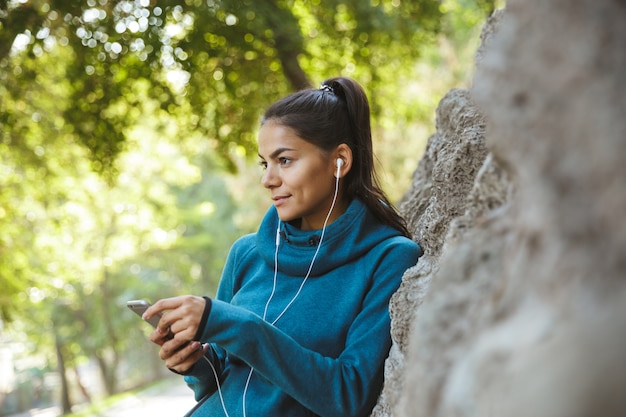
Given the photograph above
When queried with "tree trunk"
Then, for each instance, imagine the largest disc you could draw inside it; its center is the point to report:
(81, 386)
(291, 67)
(66, 404)
(105, 371)
(289, 44)
(108, 358)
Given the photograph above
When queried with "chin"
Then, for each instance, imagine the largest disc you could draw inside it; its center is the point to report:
(286, 216)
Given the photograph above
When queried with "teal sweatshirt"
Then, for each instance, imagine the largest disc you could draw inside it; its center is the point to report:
(325, 355)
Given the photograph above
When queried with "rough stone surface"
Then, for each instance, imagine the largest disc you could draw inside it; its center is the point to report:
(519, 305)
(441, 185)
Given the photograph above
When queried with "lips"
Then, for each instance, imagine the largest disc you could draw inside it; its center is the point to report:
(279, 200)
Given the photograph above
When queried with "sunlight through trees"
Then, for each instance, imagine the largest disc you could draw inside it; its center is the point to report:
(128, 147)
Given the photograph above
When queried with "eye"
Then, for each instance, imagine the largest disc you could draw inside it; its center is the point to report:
(283, 160)
(263, 164)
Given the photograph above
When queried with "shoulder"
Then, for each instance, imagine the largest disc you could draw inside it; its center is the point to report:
(243, 246)
(401, 248)
(238, 256)
(405, 244)
(245, 241)
(380, 240)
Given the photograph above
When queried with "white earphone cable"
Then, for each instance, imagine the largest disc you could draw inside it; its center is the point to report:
(217, 382)
(332, 206)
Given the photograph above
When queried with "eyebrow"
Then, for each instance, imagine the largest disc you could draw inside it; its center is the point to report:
(277, 152)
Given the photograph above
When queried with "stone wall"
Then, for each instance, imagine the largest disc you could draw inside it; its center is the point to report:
(518, 306)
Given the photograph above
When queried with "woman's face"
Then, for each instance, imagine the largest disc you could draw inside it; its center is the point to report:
(299, 176)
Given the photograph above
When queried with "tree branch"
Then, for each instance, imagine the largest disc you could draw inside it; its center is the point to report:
(15, 22)
(289, 44)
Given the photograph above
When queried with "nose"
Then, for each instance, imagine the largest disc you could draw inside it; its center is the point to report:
(270, 177)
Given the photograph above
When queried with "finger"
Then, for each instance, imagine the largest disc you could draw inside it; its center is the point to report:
(187, 317)
(158, 337)
(164, 326)
(191, 360)
(175, 344)
(180, 309)
(185, 357)
(199, 353)
(162, 305)
(182, 327)
(170, 349)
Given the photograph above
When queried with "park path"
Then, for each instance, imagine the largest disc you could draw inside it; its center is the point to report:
(168, 398)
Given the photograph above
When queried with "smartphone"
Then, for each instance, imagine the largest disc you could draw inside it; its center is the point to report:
(139, 307)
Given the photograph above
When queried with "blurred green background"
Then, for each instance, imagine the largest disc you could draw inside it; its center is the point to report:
(128, 155)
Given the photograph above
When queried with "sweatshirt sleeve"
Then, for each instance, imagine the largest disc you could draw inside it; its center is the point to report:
(346, 385)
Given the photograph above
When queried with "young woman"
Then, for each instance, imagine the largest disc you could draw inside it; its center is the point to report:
(300, 323)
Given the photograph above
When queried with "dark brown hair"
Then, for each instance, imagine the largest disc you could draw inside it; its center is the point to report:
(339, 113)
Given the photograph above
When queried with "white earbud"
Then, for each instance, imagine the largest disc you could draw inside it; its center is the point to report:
(339, 164)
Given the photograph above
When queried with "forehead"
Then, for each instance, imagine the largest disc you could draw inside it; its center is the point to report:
(275, 138)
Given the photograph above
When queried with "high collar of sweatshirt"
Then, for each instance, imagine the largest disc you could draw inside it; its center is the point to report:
(349, 237)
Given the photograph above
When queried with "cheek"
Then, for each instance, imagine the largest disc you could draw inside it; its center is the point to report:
(308, 178)
(312, 179)
(295, 180)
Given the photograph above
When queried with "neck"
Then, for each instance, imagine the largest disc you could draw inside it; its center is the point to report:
(306, 223)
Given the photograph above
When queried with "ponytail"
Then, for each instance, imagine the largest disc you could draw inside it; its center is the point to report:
(339, 113)
(362, 181)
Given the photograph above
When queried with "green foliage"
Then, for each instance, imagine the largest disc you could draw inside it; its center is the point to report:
(79, 245)
(229, 59)
(122, 123)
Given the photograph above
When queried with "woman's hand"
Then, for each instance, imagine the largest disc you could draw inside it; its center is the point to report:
(181, 317)
(180, 358)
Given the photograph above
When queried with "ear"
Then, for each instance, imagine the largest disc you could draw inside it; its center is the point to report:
(344, 153)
